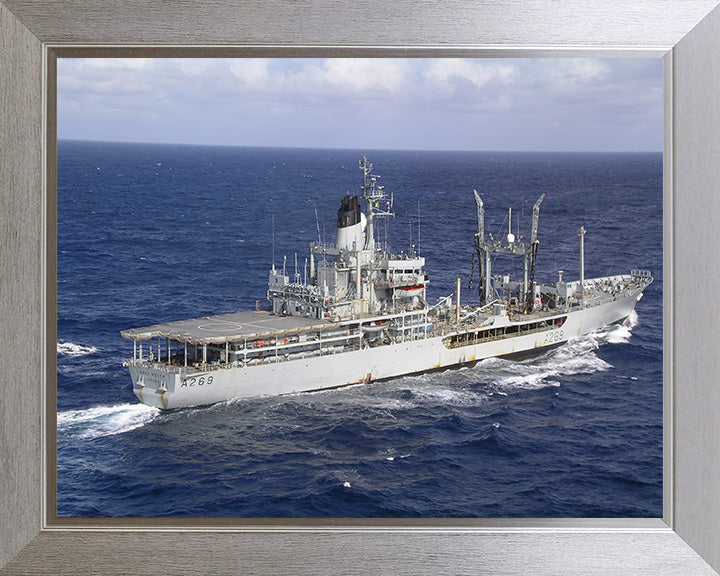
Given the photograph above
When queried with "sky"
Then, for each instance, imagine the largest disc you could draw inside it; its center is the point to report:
(509, 104)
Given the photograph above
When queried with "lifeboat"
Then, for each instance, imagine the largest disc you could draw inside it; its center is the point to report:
(409, 291)
(374, 327)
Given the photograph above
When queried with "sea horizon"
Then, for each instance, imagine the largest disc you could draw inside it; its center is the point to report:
(360, 149)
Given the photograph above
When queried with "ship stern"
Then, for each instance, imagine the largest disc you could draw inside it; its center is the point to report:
(152, 387)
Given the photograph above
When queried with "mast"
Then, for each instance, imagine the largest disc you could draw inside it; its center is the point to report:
(510, 236)
(536, 219)
(418, 227)
(530, 294)
(483, 252)
(368, 189)
(581, 233)
(480, 217)
(273, 251)
(377, 203)
(317, 221)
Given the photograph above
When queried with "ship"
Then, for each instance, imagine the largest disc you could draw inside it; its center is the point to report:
(362, 315)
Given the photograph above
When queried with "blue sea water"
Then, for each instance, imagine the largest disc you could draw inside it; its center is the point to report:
(154, 233)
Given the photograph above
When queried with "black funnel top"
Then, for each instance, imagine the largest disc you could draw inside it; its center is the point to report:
(349, 213)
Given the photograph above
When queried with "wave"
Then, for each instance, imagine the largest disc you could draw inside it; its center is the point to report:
(577, 356)
(71, 349)
(620, 333)
(550, 370)
(100, 421)
(449, 396)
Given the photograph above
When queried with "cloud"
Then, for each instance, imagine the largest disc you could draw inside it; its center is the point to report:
(577, 71)
(360, 75)
(429, 103)
(252, 73)
(193, 66)
(446, 71)
(104, 76)
(116, 63)
(331, 78)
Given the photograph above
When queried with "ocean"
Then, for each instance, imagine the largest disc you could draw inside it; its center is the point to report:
(154, 233)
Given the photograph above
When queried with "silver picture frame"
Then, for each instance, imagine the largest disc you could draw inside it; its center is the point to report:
(685, 33)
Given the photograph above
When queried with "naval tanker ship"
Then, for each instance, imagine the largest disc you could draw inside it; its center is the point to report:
(362, 315)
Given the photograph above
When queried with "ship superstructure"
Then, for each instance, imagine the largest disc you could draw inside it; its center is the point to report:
(362, 315)
(353, 276)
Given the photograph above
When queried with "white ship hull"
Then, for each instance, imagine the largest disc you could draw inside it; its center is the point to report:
(168, 389)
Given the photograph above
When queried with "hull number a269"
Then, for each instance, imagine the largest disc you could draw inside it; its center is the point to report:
(196, 381)
(553, 337)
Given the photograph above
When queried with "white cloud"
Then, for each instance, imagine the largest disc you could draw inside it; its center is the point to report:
(582, 74)
(251, 72)
(447, 70)
(117, 63)
(361, 74)
(193, 66)
(328, 78)
(112, 76)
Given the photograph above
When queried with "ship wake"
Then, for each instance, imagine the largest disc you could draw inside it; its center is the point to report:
(578, 356)
(619, 333)
(72, 349)
(100, 421)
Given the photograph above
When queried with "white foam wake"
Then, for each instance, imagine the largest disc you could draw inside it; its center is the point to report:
(449, 396)
(620, 333)
(105, 420)
(71, 349)
(550, 370)
(574, 357)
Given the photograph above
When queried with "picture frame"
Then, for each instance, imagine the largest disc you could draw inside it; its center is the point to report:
(685, 33)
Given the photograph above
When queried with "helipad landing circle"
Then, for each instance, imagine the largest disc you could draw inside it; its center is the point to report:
(220, 326)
